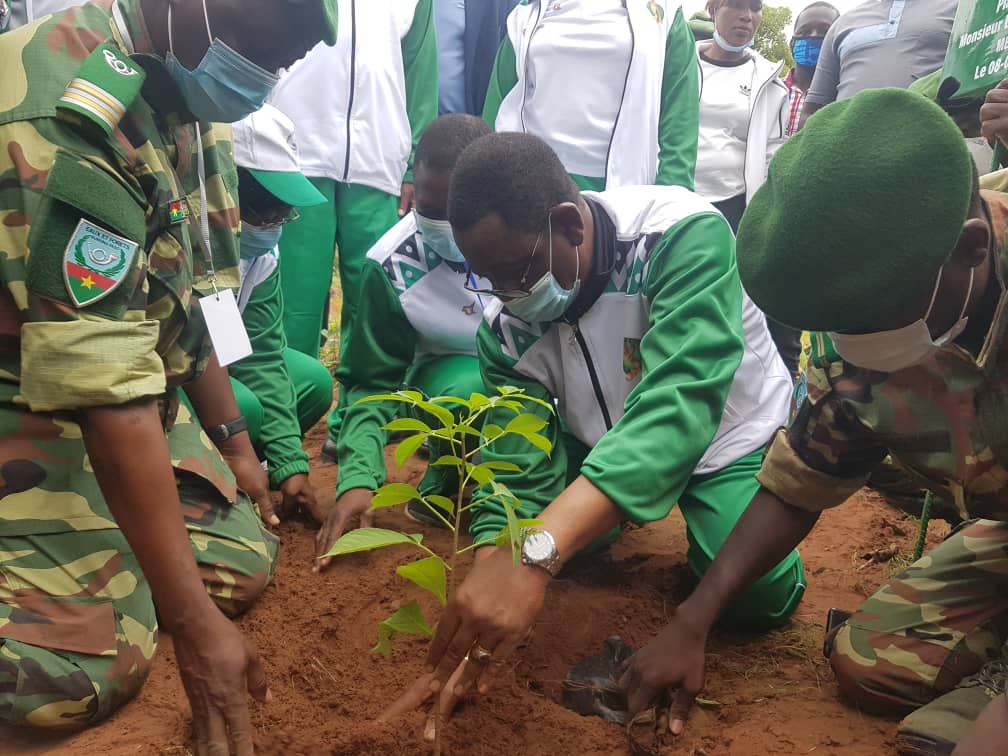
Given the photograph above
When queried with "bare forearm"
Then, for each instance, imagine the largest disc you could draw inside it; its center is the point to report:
(579, 516)
(212, 396)
(129, 454)
(766, 533)
(214, 401)
(807, 110)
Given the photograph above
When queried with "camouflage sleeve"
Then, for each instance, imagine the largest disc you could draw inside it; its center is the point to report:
(72, 260)
(826, 454)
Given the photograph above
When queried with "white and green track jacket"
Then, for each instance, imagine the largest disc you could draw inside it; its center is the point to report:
(413, 307)
(663, 367)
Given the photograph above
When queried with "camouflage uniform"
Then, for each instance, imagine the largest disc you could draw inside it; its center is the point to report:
(945, 422)
(77, 624)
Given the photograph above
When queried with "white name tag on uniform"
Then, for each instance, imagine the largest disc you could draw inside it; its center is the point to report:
(224, 324)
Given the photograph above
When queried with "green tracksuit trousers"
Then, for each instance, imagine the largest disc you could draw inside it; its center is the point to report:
(353, 218)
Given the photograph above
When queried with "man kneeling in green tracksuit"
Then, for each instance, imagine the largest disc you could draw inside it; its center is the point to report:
(281, 392)
(625, 308)
(415, 327)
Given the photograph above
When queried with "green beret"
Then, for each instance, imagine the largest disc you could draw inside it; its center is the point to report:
(859, 211)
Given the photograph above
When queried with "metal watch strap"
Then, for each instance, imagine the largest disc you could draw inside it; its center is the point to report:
(221, 433)
(551, 563)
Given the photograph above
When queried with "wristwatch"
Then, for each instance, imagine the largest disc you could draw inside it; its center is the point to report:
(539, 550)
(221, 433)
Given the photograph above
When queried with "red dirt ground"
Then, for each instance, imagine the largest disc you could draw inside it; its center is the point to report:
(771, 694)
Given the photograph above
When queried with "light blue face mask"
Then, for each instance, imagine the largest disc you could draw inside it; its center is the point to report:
(256, 241)
(225, 86)
(437, 234)
(724, 45)
(547, 300)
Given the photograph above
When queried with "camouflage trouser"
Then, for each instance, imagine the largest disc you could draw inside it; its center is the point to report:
(927, 628)
(77, 623)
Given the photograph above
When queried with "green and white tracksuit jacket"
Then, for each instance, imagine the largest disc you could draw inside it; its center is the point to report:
(360, 106)
(611, 86)
(662, 367)
(413, 308)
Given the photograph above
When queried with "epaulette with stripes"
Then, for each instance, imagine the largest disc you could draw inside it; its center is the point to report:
(104, 87)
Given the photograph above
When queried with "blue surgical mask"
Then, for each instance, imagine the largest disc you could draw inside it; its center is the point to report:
(437, 234)
(806, 51)
(225, 86)
(547, 300)
(724, 45)
(256, 241)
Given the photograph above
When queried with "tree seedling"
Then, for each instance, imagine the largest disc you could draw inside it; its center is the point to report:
(453, 424)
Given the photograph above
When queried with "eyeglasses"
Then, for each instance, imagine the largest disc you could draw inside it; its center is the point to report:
(506, 295)
(258, 220)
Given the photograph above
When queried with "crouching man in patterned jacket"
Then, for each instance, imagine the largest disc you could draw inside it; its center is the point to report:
(624, 308)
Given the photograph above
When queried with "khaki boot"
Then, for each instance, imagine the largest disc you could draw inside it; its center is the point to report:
(935, 728)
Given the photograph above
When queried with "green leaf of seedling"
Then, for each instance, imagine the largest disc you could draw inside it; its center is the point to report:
(539, 441)
(478, 400)
(492, 431)
(509, 390)
(500, 465)
(408, 424)
(443, 503)
(542, 403)
(409, 397)
(480, 473)
(511, 404)
(430, 574)
(409, 619)
(366, 539)
(525, 423)
(392, 494)
(444, 416)
(513, 531)
(448, 460)
(408, 447)
(503, 492)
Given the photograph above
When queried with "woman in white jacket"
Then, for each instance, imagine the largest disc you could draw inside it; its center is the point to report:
(743, 120)
(743, 112)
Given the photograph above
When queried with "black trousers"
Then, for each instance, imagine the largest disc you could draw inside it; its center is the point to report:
(787, 340)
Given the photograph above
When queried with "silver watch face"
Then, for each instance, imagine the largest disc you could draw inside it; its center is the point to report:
(538, 547)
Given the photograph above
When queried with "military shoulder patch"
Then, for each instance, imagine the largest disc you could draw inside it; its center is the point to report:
(104, 88)
(95, 262)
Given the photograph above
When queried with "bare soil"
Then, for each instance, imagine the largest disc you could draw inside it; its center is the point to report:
(767, 694)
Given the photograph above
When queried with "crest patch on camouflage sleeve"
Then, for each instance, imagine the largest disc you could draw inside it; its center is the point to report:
(95, 262)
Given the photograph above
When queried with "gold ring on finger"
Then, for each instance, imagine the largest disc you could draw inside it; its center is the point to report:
(479, 654)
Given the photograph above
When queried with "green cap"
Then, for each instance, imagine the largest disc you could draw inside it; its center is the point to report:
(265, 146)
(859, 211)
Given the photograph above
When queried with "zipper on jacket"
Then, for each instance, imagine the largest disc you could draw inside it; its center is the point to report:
(528, 53)
(353, 77)
(755, 100)
(592, 374)
(626, 80)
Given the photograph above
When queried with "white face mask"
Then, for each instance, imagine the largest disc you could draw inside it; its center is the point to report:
(889, 351)
(437, 234)
(547, 300)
